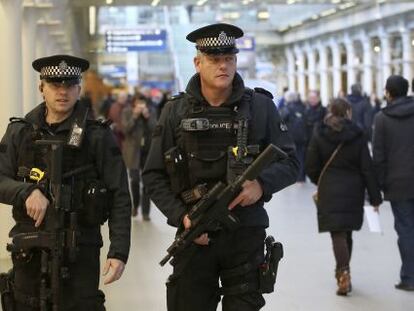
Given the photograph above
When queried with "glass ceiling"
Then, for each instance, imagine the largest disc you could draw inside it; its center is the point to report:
(279, 15)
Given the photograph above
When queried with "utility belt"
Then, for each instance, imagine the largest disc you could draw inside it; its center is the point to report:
(205, 171)
(262, 278)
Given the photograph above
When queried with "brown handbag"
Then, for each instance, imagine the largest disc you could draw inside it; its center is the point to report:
(315, 196)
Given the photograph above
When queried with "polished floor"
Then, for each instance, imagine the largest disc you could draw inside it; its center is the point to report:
(306, 273)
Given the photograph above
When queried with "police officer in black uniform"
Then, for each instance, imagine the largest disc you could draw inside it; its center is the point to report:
(93, 174)
(195, 130)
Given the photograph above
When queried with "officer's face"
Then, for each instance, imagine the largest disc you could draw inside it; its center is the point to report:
(60, 98)
(216, 71)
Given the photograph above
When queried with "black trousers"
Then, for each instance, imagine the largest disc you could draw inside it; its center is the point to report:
(79, 292)
(194, 284)
(139, 198)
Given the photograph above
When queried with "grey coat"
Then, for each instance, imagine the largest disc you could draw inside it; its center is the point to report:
(137, 132)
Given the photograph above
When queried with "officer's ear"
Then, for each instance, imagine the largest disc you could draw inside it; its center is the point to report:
(197, 61)
(41, 85)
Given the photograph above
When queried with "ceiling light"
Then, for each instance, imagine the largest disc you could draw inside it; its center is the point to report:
(155, 2)
(263, 15)
(92, 20)
(377, 48)
(43, 21)
(335, 1)
(412, 43)
(201, 2)
(328, 12)
(109, 1)
(296, 24)
(231, 15)
(32, 4)
(346, 5)
(290, 1)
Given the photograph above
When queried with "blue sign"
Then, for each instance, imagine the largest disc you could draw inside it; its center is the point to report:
(246, 43)
(112, 71)
(135, 40)
(163, 85)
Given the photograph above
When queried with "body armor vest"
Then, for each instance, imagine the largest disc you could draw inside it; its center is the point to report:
(208, 134)
(32, 155)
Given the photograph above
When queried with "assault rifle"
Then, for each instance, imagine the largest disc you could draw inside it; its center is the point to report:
(57, 242)
(213, 206)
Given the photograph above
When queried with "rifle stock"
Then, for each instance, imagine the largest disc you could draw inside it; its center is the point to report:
(213, 207)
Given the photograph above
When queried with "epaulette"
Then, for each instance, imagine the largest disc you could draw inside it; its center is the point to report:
(177, 96)
(16, 119)
(264, 92)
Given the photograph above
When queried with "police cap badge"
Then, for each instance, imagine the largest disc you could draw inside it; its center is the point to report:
(216, 38)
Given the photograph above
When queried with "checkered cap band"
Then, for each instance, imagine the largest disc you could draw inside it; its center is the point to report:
(60, 71)
(221, 41)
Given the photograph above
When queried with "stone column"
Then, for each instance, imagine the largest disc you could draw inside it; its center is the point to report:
(385, 56)
(301, 72)
(10, 87)
(30, 78)
(350, 59)
(311, 54)
(407, 55)
(336, 64)
(323, 69)
(291, 69)
(367, 84)
(42, 42)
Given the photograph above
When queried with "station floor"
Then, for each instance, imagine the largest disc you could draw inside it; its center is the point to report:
(306, 273)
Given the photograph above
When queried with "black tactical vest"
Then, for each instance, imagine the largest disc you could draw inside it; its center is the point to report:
(32, 155)
(206, 136)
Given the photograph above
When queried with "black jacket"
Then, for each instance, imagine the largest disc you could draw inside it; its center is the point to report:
(393, 148)
(294, 115)
(98, 147)
(361, 113)
(314, 115)
(342, 187)
(265, 127)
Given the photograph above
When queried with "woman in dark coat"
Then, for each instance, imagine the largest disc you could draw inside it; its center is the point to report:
(342, 187)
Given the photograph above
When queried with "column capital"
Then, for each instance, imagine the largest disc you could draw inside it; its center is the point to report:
(334, 45)
(382, 32)
(309, 48)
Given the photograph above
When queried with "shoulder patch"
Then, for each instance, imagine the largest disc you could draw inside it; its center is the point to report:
(264, 92)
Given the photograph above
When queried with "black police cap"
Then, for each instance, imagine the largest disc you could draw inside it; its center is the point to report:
(61, 68)
(216, 38)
